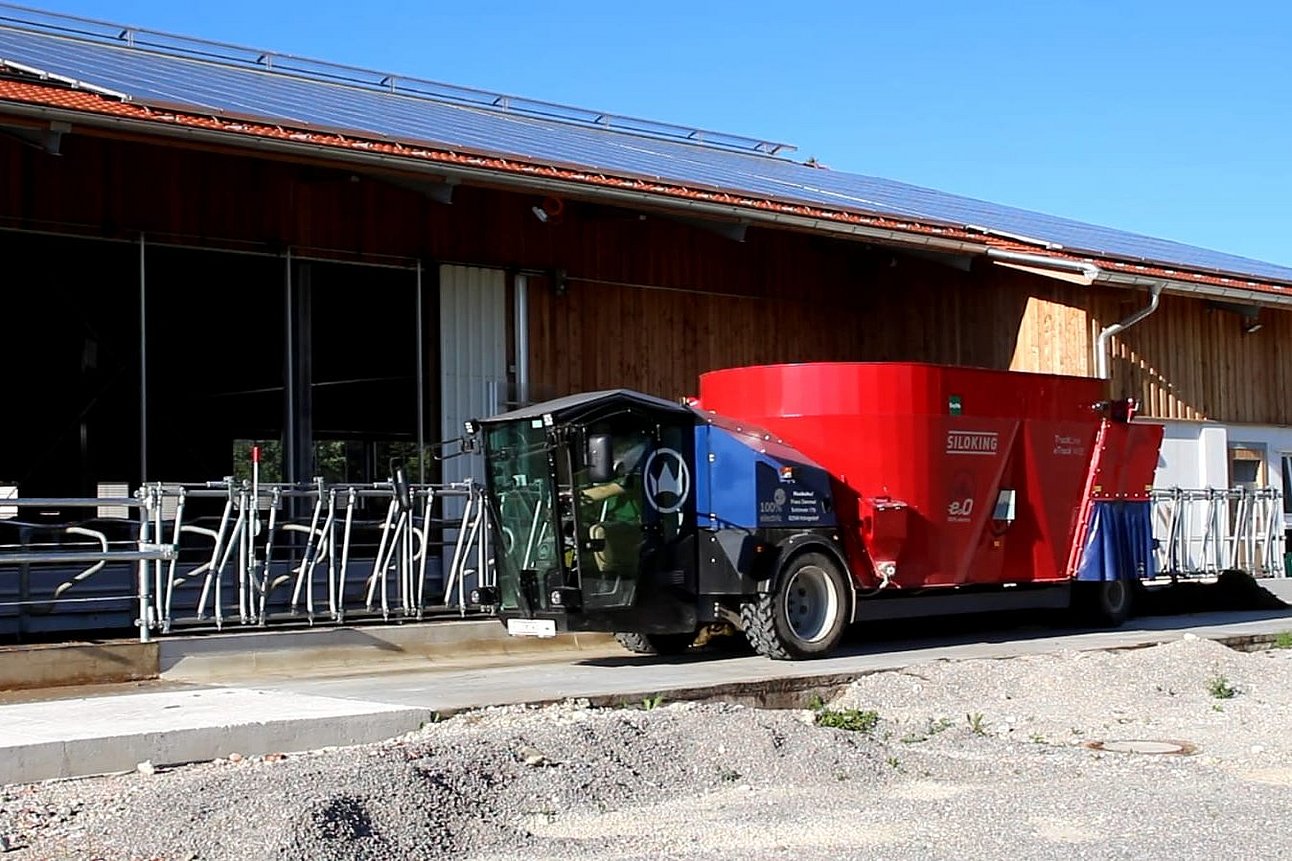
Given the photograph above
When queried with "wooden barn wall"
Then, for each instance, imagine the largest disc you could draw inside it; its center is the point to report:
(1053, 335)
(649, 301)
(599, 335)
(1193, 360)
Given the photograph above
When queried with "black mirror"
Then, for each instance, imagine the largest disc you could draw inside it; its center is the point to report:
(601, 458)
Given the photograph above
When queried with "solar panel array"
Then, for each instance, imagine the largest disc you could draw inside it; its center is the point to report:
(176, 72)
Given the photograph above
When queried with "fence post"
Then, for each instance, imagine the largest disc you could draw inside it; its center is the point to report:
(145, 579)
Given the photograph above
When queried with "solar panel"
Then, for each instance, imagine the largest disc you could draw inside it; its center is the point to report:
(159, 69)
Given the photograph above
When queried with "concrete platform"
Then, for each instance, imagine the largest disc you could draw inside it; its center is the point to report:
(96, 735)
(303, 709)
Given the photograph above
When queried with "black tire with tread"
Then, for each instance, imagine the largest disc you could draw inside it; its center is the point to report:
(655, 644)
(1099, 605)
(761, 616)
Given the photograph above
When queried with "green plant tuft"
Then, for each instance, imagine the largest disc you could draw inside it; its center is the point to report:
(1221, 689)
(853, 720)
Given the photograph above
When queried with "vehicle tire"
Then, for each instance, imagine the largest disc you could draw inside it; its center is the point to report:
(1107, 603)
(655, 644)
(806, 614)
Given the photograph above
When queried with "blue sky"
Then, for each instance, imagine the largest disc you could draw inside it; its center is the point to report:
(1171, 119)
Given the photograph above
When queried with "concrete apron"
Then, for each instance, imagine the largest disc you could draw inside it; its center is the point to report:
(70, 717)
(110, 732)
(191, 719)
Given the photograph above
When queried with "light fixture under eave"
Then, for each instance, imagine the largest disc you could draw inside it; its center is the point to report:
(1249, 316)
(549, 211)
(1252, 321)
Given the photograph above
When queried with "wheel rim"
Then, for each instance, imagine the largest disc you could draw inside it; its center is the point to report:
(811, 603)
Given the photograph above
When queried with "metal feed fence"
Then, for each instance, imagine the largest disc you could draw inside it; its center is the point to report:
(1203, 532)
(236, 552)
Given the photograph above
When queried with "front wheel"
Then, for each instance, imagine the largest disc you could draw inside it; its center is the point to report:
(655, 644)
(805, 616)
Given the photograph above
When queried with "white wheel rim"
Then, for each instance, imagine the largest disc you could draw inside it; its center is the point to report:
(811, 603)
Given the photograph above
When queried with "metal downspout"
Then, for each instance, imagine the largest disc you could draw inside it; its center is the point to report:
(1101, 343)
(143, 361)
(420, 368)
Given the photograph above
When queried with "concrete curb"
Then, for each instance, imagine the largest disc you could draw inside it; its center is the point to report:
(61, 664)
(246, 655)
(93, 756)
(240, 655)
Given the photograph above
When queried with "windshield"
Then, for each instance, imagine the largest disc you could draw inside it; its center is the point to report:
(520, 483)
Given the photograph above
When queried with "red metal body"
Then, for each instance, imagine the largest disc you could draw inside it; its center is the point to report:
(920, 455)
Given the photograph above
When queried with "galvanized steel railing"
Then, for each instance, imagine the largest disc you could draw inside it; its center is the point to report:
(229, 551)
(1202, 532)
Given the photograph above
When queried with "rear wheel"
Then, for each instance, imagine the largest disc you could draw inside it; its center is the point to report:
(655, 644)
(1107, 603)
(806, 614)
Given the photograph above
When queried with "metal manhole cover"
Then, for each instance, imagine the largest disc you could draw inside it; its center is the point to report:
(1178, 748)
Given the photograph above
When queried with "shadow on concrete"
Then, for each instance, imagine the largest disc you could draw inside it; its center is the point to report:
(1234, 597)
(1233, 590)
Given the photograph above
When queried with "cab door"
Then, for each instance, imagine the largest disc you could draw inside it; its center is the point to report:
(634, 525)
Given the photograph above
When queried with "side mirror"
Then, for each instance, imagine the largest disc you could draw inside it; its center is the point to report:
(600, 458)
(470, 436)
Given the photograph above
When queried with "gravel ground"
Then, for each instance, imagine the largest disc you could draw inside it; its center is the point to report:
(969, 759)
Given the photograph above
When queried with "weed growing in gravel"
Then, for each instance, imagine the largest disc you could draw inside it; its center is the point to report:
(853, 720)
(728, 775)
(1283, 640)
(931, 728)
(894, 763)
(1037, 738)
(651, 703)
(977, 723)
(1221, 689)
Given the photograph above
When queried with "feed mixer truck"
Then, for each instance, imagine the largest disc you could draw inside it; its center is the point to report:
(789, 501)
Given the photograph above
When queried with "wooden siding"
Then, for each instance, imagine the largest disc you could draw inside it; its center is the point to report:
(1193, 360)
(1053, 336)
(651, 301)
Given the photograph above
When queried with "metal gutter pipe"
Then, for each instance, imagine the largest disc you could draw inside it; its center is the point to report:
(1086, 270)
(1101, 343)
